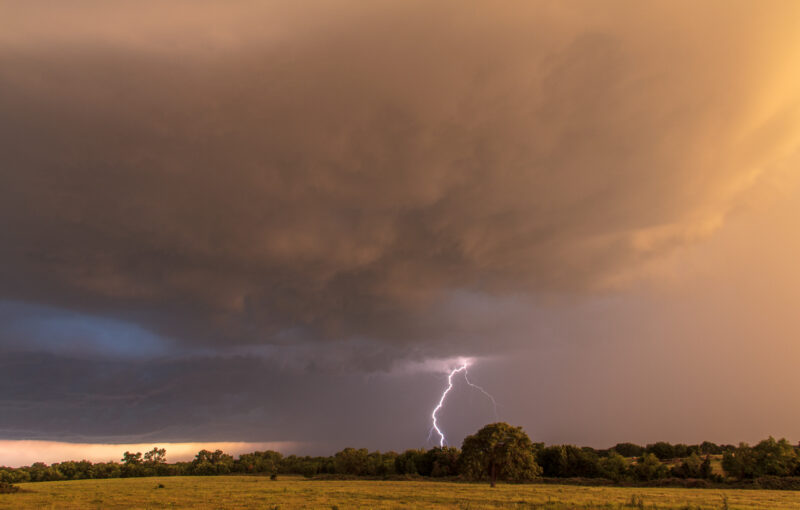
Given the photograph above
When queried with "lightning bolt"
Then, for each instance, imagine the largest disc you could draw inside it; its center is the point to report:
(435, 427)
(494, 404)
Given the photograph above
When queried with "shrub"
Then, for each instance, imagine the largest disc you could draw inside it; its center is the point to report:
(7, 488)
(649, 468)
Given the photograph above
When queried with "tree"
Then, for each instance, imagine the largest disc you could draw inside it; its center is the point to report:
(443, 461)
(613, 466)
(553, 460)
(707, 447)
(499, 451)
(410, 462)
(769, 457)
(582, 462)
(155, 462)
(775, 458)
(693, 467)
(132, 464)
(385, 463)
(680, 451)
(629, 449)
(212, 463)
(351, 461)
(306, 466)
(568, 461)
(662, 450)
(649, 468)
(130, 459)
(260, 462)
(739, 462)
(156, 456)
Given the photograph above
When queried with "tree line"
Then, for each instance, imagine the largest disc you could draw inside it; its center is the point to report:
(496, 452)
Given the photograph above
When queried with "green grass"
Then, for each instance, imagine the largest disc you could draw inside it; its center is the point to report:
(234, 492)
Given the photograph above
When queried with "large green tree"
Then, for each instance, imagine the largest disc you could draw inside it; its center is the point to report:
(351, 461)
(500, 452)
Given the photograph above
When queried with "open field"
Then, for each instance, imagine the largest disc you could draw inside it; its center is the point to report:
(238, 492)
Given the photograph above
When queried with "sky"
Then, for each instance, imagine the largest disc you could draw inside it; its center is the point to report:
(281, 223)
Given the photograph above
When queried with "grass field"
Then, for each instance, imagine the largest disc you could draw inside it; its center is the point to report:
(236, 492)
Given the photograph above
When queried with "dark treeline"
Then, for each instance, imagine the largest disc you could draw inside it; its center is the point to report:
(482, 457)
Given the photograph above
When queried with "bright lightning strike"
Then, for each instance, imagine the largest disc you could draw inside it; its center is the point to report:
(462, 368)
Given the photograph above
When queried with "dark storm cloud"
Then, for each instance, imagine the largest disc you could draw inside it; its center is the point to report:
(340, 184)
(202, 399)
(261, 196)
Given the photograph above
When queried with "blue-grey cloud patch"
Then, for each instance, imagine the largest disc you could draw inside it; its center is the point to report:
(37, 328)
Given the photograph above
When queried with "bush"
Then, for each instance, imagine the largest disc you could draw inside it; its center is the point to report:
(786, 483)
(614, 467)
(649, 468)
(7, 488)
(693, 467)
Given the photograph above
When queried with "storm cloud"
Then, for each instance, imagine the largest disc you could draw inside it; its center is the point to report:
(361, 184)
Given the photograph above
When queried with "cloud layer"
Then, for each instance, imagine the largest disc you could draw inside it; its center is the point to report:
(340, 183)
(370, 186)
